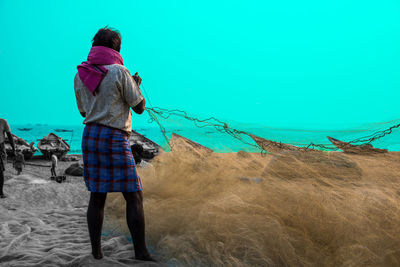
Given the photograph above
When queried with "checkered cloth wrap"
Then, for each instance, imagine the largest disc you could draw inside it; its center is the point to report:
(108, 164)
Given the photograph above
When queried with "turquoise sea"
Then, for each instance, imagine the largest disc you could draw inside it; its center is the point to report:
(221, 141)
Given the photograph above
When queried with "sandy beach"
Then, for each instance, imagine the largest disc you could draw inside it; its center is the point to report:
(235, 209)
(43, 223)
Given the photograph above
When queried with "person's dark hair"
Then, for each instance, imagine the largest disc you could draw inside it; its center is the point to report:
(107, 37)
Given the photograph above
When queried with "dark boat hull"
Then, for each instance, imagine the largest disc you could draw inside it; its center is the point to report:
(52, 144)
(22, 145)
(150, 148)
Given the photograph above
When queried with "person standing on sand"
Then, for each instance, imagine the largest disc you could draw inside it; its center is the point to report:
(19, 161)
(105, 92)
(54, 163)
(4, 129)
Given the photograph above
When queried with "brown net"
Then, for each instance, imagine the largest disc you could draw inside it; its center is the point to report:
(291, 206)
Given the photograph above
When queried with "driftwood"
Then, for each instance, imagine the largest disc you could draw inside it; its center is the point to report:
(277, 147)
(355, 149)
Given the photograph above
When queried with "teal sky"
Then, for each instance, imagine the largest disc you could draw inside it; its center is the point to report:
(277, 63)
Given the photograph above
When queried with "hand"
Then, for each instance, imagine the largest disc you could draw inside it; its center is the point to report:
(137, 79)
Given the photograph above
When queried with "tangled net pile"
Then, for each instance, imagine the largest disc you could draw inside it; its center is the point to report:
(294, 208)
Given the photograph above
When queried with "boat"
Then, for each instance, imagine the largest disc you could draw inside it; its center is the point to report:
(52, 144)
(277, 147)
(183, 144)
(27, 149)
(63, 130)
(150, 148)
(355, 149)
(24, 129)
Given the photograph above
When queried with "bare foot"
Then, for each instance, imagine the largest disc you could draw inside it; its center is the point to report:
(146, 257)
(98, 255)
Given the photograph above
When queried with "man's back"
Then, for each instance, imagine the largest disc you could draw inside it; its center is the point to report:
(116, 94)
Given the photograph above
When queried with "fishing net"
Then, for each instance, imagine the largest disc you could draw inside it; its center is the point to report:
(216, 197)
(233, 136)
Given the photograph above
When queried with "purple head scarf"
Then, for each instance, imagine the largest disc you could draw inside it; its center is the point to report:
(92, 71)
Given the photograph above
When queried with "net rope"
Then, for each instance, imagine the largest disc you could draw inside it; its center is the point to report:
(156, 113)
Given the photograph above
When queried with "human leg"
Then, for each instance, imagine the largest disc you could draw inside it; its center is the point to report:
(95, 215)
(136, 224)
(1, 183)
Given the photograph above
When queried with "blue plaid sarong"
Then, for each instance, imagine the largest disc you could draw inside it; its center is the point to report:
(108, 164)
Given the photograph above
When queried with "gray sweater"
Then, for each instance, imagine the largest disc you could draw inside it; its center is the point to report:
(116, 94)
